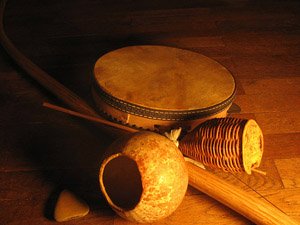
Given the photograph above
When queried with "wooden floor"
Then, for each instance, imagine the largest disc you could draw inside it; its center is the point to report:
(43, 152)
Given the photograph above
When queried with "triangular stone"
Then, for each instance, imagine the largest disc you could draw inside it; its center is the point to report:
(69, 207)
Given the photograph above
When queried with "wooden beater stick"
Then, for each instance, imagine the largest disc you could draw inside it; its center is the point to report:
(253, 208)
(90, 118)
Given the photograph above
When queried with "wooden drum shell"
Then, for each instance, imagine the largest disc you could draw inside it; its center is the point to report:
(158, 87)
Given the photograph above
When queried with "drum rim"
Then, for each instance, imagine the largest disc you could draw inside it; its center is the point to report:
(159, 114)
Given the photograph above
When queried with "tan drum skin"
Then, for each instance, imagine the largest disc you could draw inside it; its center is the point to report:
(159, 87)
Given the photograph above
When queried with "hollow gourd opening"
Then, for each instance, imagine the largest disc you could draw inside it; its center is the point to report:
(122, 182)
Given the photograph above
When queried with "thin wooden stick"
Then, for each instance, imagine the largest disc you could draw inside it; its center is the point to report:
(90, 118)
(259, 171)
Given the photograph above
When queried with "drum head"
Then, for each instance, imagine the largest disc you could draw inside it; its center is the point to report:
(161, 83)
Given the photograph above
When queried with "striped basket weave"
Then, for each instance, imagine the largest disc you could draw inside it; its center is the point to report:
(230, 144)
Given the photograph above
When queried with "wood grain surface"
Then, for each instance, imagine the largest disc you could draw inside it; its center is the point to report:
(43, 152)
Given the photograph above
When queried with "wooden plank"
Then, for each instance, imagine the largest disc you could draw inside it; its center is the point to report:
(198, 209)
(279, 146)
(43, 183)
(288, 200)
(268, 103)
(38, 211)
(24, 185)
(49, 145)
(109, 24)
(191, 42)
(243, 115)
(270, 43)
(242, 12)
(281, 86)
(256, 183)
(259, 22)
(289, 170)
(266, 67)
(280, 122)
(158, 22)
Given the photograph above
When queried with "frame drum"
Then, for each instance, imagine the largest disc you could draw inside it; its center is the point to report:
(158, 87)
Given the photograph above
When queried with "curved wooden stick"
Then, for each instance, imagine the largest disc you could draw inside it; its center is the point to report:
(56, 88)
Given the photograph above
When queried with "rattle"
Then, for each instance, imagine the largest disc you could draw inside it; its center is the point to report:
(131, 111)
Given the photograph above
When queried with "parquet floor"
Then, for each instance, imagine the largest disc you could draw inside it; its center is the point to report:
(42, 151)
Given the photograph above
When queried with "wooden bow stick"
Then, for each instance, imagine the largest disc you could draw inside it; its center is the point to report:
(255, 209)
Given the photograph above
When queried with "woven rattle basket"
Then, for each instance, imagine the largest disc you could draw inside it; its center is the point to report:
(230, 144)
(158, 88)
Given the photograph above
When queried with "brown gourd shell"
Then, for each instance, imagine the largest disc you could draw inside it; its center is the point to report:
(143, 177)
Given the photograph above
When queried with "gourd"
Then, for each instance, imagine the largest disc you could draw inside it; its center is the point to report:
(143, 177)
